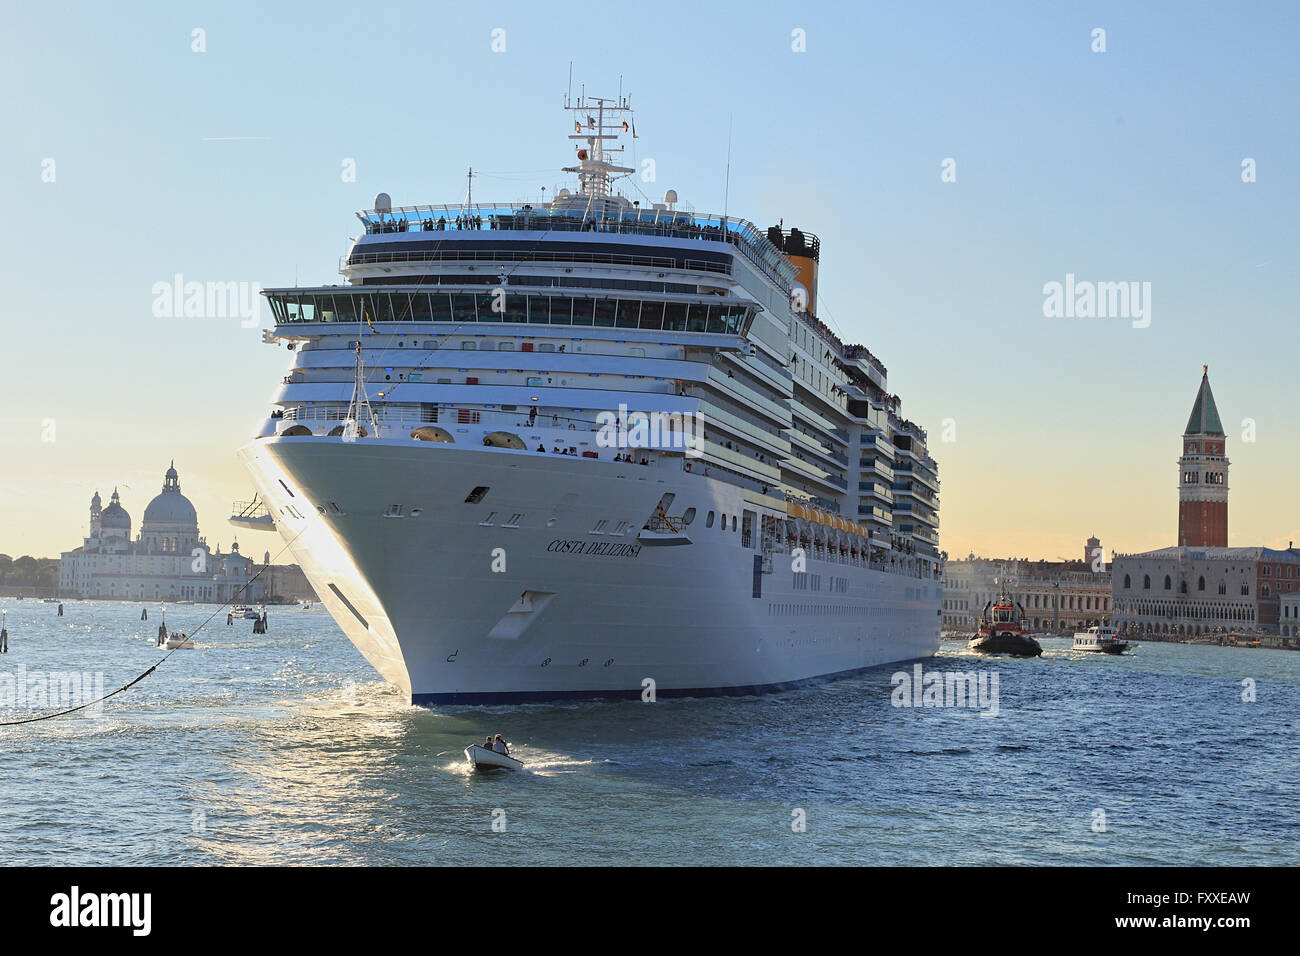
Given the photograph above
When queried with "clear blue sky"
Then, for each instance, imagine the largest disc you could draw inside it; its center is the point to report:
(1124, 165)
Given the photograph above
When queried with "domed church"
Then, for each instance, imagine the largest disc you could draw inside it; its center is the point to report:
(167, 561)
(170, 521)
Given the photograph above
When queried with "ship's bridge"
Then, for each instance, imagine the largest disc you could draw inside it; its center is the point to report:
(425, 302)
(614, 216)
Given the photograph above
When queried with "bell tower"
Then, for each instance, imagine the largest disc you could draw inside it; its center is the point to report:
(1203, 475)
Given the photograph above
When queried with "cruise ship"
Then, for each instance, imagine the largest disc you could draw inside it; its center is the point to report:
(596, 446)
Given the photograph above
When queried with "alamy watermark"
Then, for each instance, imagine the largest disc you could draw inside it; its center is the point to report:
(208, 300)
(676, 430)
(1098, 300)
(42, 690)
(973, 689)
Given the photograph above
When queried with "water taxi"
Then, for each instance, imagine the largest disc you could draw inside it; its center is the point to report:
(1102, 640)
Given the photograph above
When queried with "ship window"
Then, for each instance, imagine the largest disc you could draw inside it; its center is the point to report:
(688, 516)
(561, 310)
(475, 496)
(708, 520)
(463, 310)
(439, 311)
(418, 308)
(652, 315)
(604, 312)
(627, 313)
(675, 316)
(583, 311)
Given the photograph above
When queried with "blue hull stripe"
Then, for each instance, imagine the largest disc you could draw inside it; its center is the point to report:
(543, 696)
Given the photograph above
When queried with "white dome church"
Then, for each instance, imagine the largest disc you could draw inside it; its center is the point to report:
(168, 561)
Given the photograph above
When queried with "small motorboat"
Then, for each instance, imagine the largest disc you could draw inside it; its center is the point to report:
(480, 758)
(1002, 630)
(1101, 640)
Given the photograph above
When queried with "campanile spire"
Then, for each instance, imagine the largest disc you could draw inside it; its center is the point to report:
(1203, 475)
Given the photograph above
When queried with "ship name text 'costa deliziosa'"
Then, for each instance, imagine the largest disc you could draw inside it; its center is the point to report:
(593, 446)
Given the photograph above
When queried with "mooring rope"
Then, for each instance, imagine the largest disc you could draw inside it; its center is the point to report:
(154, 667)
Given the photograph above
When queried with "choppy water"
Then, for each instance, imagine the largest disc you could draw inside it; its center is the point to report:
(286, 748)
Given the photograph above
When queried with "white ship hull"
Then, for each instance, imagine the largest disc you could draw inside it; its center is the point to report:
(573, 614)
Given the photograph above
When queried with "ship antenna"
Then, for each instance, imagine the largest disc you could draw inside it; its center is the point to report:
(726, 188)
(360, 403)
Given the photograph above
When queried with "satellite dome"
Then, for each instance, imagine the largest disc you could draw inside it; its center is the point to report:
(383, 203)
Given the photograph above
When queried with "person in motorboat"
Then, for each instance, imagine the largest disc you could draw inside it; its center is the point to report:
(499, 746)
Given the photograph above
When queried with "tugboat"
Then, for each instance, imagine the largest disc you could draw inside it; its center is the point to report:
(1101, 640)
(1002, 630)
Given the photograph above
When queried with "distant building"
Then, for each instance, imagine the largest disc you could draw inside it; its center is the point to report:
(1056, 595)
(1195, 591)
(167, 561)
(286, 582)
(1289, 614)
(1202, 586)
